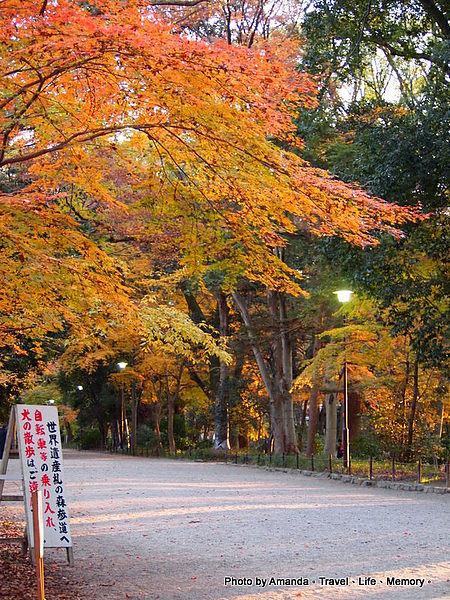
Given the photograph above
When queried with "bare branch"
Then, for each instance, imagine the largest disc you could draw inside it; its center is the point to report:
(437, 16)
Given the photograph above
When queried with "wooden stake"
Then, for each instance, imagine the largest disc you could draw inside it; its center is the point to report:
(7, 448)
(70, 559)
(38, 534)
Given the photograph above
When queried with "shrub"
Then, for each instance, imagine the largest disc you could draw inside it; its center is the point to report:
(90, 439)
(365, 445)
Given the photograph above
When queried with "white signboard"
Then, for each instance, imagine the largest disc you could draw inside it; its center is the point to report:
(42, 467)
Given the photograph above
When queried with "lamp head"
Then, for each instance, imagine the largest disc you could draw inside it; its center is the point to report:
(344, 295)
(80, 388)
(122, 365)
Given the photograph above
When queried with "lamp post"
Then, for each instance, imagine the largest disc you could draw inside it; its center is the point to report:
(343, 297)
(122, 365)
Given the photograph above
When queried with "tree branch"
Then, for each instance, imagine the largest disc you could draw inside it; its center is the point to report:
(43, 7)
(77, 138)
(243, 310)
(404, 53)
(437, 16)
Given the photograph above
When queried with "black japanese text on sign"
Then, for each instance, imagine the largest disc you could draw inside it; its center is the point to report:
(42, 464)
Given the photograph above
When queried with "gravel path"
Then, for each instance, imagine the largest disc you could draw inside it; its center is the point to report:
(172, 530)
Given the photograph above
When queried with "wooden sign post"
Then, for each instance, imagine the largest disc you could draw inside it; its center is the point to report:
(38, 534)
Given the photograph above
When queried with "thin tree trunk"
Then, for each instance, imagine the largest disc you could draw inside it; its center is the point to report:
(441, 420)
(114, 433)
(102, 426)
(133, 419)
(170, 415)
(312, 419)
(331, 423)
(275, 399)
(158, 427)
(171, 399)
(234, 394)
(286, 380)
(69, 432)
(413, 406)
(278, 382)
(221, 421)
(403, 392)
(313, 408)
(302, 427)
(157, 415)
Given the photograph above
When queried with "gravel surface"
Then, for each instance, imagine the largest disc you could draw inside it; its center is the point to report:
(173, 530)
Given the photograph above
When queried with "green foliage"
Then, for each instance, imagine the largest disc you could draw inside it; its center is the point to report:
(400, 155)
(366, 445)
(179, 432)
(89, 439)
(146, 437)
(42, 394)
(398, 149)
(168, 329)
(318, 444)
(343, 36)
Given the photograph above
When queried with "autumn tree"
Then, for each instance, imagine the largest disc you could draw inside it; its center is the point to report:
(388, 387)
(83, 87)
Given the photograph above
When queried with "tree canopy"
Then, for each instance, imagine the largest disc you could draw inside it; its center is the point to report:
(155, 188)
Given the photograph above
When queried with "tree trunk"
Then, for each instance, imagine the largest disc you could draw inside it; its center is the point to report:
(321, 420)
(68, 432)
(171, 399)
(221, 420)
(158, 428)
(275, 398)
(278, 423)
(234, 395)
(217, 389)
(133, 419)
(102, 427)
(286, 379)
(170, 415)
(122, 419)
(157, 408)
(114, 433)
(282, 372)
(101, 420)
(403, 393)
(412, 415)
(354, 414)
(312, 419)
(331, 424)
(302, 427)
(313, 408)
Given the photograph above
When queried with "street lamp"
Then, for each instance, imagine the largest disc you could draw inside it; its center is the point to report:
(343, 297)
(122, 365)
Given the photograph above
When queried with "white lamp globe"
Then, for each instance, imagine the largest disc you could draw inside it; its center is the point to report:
(344, 295)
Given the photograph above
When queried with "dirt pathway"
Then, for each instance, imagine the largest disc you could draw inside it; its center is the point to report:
(172, 530)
